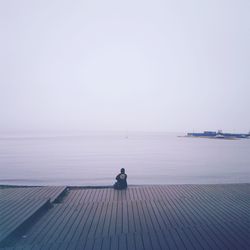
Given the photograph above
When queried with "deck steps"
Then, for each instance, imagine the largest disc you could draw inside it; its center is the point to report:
(19, 205)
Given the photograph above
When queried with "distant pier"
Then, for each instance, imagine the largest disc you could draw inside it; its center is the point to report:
(141, 217)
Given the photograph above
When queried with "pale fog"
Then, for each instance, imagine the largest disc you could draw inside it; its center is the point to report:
(82, 69)
(125, 65)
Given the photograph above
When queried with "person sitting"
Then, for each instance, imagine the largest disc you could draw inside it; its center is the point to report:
(121, 180)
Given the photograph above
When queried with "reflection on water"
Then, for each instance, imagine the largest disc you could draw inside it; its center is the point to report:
(95, 159)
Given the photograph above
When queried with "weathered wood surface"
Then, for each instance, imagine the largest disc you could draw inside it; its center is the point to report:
(17, 193)
(146, 217)
(17, 205)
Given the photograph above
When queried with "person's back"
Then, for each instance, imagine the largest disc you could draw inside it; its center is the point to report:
(121, 180)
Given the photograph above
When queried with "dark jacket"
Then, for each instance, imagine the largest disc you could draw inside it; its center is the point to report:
(121, 181)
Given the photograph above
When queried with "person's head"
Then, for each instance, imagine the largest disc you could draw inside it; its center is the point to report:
(122, 170)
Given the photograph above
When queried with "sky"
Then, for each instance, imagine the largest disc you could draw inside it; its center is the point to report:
(125, 65)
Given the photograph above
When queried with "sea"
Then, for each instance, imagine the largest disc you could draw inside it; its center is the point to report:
(94, 159)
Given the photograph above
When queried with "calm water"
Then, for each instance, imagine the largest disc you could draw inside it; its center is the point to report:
(94, 159)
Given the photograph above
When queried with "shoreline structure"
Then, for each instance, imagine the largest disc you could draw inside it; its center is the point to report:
(219, 135)
(144, 217)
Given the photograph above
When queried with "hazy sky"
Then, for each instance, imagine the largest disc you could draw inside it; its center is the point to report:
(125, 65)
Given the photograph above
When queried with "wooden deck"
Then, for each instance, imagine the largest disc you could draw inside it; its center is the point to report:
(144, 217)
(18, 205)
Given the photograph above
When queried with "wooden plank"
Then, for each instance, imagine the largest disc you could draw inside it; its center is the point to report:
(211, 231)
(97, 244)
(131, 221)
(166, 214)
(138, 227)
(80, 245)
(89, 221)
(79, 211)
(112, 225)
(125, 218)
(159, 218)
(169, 240)
(119, 218)
(173, 233)
(138, 242)
(96, 220)
(83, 217)
(130, 241)
(106, 243)
(107, 220)
(185, 240)
(89, 244)
(197, 235)
(194, 240)
(68, 226)
(114, 243)
(207, 237)
(155, 241)
(146, 241)
(123, 242)
(101, 222)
